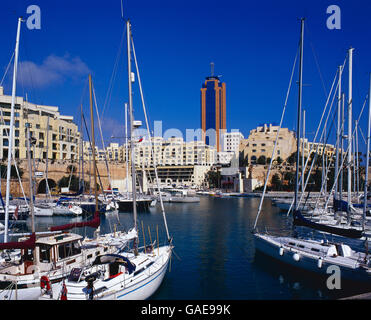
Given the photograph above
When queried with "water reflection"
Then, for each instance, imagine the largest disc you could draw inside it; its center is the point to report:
(215, 253)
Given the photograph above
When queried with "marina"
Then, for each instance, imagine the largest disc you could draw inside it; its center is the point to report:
(215, 253)
(101, 204)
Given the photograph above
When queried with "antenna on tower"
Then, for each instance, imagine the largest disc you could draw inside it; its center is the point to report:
(212, 68)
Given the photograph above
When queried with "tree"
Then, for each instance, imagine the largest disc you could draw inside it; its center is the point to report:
(213, 178)
(276, 182)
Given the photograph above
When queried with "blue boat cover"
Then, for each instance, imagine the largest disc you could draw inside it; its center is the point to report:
(299, 220)
(110, 258)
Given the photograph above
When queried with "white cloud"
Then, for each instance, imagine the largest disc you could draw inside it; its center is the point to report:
(53, 70)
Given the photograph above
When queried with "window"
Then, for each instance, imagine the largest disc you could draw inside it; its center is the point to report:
(44, 253)
(68, 250)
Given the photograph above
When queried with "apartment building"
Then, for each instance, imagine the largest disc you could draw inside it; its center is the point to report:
(261, 143)
(56, 136)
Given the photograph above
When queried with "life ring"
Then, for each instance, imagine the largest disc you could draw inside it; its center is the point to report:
(45, 283)
(70, 206)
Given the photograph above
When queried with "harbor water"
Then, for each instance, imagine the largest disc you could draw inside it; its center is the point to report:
(214, 254)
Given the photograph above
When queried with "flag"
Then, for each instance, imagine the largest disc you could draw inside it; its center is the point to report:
(64, 292)
(15, 215)
(140, 140)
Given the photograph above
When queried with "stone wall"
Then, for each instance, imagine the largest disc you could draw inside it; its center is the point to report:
(58, 170)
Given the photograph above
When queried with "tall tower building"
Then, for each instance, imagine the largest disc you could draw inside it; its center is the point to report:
(213, 110)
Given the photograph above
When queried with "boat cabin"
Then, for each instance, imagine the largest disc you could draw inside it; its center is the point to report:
(51, 249)
(323, 249)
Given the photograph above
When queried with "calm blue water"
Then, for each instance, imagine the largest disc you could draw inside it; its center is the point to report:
(214, 252)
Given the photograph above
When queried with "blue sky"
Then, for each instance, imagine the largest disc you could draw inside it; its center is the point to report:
(252, 43)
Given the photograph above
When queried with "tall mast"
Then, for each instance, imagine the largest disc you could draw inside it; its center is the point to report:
(47, 159)
(338, 134)
(342, 144)
(82, 182)
(93, 142)
(133, 176)
(302, 156)
(350, 102)
(367, 159)
(299, 113)
(11, 131)
(126, 150)
(28, 125)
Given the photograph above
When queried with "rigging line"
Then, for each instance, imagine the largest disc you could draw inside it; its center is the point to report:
(277, 136)
(13, 157)
(314, 140)
(107, 100)
(91, 147)
(104, 148)
(316, 60)
(342, 164)
(318, 132)
(326, 133)
(27, 69)
(363, 137)
(6, 70)
(149, 138)
(324, 145)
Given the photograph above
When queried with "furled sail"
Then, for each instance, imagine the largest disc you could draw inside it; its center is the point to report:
(115, 258)
(340, 205)
(28, 244)
(299, 220)
(93, 223)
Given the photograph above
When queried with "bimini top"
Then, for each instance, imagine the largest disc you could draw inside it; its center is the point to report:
(115, 258)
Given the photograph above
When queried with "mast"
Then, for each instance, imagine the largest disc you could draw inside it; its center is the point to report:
(11, 131)
(82, 182)
(28, 126)
(47, 159)
(338, 135)
(126, 150)
(133, 176)
(302, 156)
(367, 159)
(342, 144)
(350, 102)
(299, 113)
(93, 142)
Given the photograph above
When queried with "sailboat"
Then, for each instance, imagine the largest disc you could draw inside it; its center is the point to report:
(133, 274)
(39, 259)
(307, 254)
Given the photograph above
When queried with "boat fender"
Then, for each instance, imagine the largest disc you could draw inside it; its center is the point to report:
(320, 262)
(296, 257)
(45, 283)
(281, 251)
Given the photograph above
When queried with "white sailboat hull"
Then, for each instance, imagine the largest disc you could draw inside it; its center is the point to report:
(122, 287)
(271, 247)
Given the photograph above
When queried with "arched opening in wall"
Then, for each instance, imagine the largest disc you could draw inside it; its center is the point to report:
(42, 186)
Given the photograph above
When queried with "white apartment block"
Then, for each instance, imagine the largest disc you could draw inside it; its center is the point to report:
(231, 141)
(173, 152)
(57, 137)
